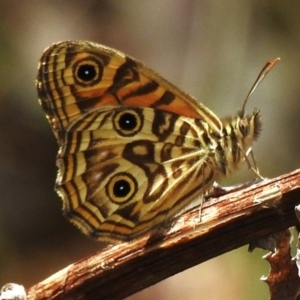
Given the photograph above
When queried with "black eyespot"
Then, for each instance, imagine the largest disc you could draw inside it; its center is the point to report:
(86, 72)
(121, 188)
(128, 122)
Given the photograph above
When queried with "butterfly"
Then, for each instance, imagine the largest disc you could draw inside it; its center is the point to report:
(134, 150)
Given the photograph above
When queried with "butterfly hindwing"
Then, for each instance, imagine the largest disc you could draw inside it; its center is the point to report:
(119, 169)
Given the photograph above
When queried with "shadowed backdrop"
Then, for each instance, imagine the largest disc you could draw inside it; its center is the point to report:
(210, 49)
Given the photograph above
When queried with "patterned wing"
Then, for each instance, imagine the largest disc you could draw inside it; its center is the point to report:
(76, 77)
(134, 149)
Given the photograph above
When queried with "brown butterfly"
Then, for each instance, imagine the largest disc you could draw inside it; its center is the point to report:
(134, 149)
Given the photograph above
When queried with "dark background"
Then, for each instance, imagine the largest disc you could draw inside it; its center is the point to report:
(211, 49)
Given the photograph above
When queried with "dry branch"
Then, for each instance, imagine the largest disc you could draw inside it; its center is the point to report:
(228, 222)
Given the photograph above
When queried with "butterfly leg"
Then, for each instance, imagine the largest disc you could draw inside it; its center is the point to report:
(219, 190)
(251, 162)
(202, 200)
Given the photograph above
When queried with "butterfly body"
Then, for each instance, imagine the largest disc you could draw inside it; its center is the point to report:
(134, 149)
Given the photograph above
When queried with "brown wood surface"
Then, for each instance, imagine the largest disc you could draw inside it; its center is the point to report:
(228, 222)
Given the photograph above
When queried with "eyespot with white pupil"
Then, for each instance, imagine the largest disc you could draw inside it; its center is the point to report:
(121, 188)
(128, 122)
(87, 72)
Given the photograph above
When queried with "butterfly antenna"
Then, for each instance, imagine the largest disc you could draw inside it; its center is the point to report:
(265, 70)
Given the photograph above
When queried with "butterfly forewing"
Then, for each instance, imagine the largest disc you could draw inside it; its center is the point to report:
(134, 149)
(118, 80)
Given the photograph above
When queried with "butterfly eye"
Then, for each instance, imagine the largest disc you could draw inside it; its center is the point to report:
(244, 127)
(121, 188)
(87, 72)
(128, 122)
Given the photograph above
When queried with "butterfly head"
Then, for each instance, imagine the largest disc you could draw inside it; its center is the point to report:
(239, 133)
(243, 129)
(248, 127)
